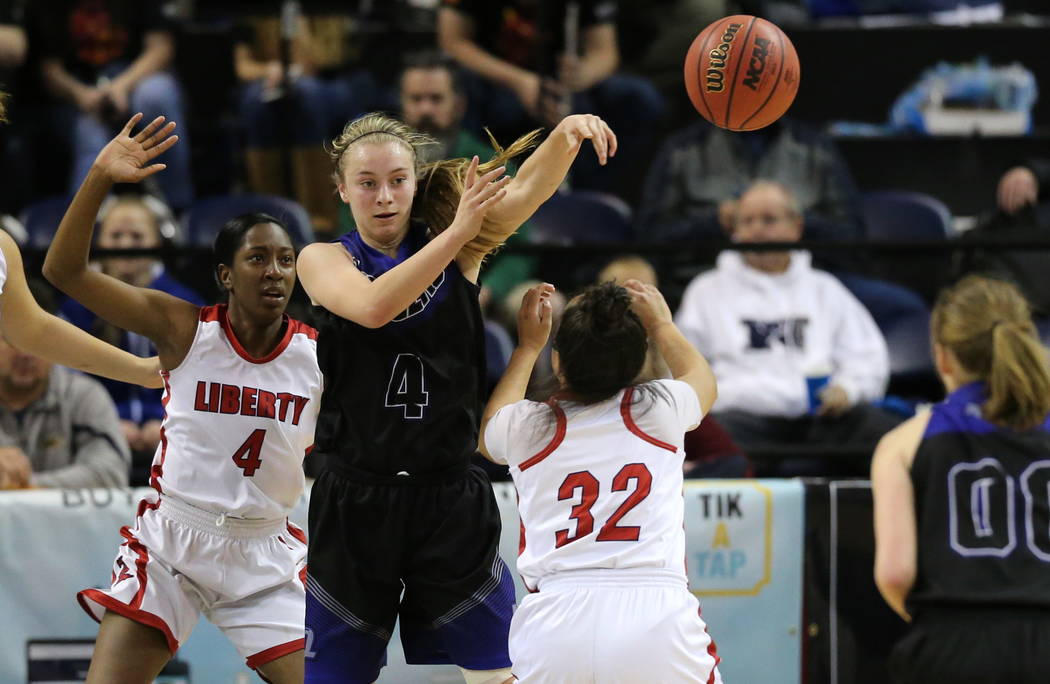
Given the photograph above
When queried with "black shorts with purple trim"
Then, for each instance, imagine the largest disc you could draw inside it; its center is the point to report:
(424, 551)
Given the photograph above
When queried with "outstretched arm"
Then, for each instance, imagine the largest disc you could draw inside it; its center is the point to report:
(29, 328)
(330, 278)
(545, 169)
(534, 327)
(168, 321)
(683, 360)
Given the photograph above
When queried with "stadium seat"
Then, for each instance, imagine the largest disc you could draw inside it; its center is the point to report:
(901, 216)
(580, 217)
(904, 320)
(41, 220)
(205, 217)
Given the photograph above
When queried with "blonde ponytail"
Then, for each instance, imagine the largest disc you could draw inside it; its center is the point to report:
(1018, 380)
(987, 324)
(440, 183)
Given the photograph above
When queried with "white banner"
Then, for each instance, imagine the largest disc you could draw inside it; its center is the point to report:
(744, 541)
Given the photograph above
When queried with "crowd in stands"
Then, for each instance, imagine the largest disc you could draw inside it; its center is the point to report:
(806, 344)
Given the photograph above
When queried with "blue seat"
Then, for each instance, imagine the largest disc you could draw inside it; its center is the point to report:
(903, 318)
(41, 220)
(205, 218)
(580, 217)
(901, 216)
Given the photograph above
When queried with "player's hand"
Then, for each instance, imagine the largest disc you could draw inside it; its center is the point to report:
(15, 470)
(649, 305)
(833, 401)
(534, 317)
(480, 193)
(1017, 188)
(579, 127)
(126, 158)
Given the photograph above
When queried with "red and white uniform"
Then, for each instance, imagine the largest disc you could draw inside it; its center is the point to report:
(215, 538)
(602, 539)
(236, 428)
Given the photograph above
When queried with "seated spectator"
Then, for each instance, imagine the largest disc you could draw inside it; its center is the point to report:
(526, 72)
(1023, 214)
(288, 115)
(57, 428)
(128, 222)
(772, 326)
(694, 182)
(709, 450)
(433, 101)
(106, 60)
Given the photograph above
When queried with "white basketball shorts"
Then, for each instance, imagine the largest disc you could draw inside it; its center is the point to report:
(178, 561)
(612, 627)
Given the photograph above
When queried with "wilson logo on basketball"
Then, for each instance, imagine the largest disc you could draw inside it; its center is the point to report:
(757, 64)
(718, 56)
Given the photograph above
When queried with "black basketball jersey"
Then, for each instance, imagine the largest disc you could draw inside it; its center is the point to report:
(403, 398)
(982, 511)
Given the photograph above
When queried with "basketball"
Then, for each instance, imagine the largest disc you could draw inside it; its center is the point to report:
(741, 73)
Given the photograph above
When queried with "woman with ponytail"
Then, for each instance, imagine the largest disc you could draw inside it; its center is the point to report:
(401, 524)
(598, 470)
(962, 503)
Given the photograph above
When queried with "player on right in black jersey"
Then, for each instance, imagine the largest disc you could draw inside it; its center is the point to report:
(401, 525)
(962, 502)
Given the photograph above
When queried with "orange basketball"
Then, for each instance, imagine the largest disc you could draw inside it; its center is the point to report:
(741, 73)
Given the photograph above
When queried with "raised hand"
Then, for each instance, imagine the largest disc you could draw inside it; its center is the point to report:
(580, 127)
(534, 317)
(648, 304)
(479, 195)
(126, 158)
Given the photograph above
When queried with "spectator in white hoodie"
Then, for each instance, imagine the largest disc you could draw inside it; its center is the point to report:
(772, 326)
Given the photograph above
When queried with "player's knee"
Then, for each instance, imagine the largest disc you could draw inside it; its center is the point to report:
(502, 676)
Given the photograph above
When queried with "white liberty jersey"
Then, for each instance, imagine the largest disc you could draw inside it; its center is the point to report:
(236, 428)
(599, 486)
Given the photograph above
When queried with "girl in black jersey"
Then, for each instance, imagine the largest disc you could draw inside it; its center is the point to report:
(962, 501)
(401, 525)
